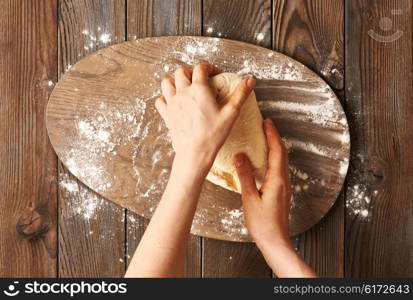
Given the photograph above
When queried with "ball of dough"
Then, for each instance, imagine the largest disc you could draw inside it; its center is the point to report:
(246, 136)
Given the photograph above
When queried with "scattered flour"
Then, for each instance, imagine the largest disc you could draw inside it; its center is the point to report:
(194, 50)
(300, 182)
(98, 139)
(105, 38)
(232, 221)
(93, 40)
(269, 71)
(321, 113)
(309, 147)
(260, 36)
(358, 201)
(84, 203)
(235, 213)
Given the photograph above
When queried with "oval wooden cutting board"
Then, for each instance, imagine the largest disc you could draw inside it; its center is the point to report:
(104, 128)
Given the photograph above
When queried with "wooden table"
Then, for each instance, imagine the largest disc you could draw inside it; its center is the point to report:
(343, 41)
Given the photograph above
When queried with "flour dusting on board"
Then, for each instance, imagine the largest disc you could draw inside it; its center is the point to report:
(270, 71)
(192, 52)
(103, 136)
(99, 138)
(321, 113)
(110, 133)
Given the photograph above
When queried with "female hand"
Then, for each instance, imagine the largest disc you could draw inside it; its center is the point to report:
(266, 210)
(197, 124)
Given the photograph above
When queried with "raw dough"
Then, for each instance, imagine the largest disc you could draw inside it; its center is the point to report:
(247, 136)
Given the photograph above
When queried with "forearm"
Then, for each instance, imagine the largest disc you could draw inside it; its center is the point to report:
(284, 260)
(161, 252)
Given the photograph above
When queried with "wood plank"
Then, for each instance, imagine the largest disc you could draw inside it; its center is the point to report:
(231, 259)
(248, 21)
(378, 237)
(92, 229)
(147, 18)
(28, 69)
(311, 31)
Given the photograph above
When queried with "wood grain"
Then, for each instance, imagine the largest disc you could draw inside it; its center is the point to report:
(379, 106)
(312, 32)
(146, 18)
(28, 60)
(92, 229)
(233, 259)
(245, 21)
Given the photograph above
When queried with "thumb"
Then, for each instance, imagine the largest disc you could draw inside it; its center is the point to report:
(245, 175)
(238, 96)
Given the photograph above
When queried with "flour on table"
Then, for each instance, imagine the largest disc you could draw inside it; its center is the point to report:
(84, 203)
(260, 36)
(96, 38)
(359, 201)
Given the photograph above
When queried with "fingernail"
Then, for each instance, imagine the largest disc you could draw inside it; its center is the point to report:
(239, 160)
(251, 83)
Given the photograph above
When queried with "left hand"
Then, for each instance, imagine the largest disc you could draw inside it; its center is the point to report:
(197, 124)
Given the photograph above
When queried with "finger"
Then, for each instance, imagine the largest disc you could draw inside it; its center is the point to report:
(183, 78)
(168, 88)
(245, 175)
(160, 105)
(277, 155)
(202, 72)
(238, 97)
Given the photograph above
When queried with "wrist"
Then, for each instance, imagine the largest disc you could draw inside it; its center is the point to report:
(284, 259)
(273, 243)
(196, 161)
(189, 168)
(186, 179)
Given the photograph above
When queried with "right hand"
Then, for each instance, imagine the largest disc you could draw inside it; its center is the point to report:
(197, 124)
(266, 210)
